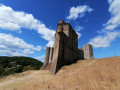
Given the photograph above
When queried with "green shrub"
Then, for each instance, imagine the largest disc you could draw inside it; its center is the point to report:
(11, 65)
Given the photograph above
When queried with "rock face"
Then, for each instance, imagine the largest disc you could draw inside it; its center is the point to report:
(65, 49)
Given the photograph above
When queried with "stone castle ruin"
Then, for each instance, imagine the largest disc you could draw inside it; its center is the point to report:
(65, 49)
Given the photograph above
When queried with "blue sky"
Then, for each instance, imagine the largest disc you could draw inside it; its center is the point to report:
(28, 26)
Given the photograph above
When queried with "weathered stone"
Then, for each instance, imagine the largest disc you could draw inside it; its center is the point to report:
(65, 49)
(88, 52)
(81, 54)
(51, 54)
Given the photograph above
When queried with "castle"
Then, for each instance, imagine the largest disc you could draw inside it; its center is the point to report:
(65, 49)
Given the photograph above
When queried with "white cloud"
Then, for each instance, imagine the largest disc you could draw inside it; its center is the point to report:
(40, 58)
(110, 28)
(114, 9)
(79, 34)
(15, 20)
(79, 28)
(104, 40)
(50, 43)
(13, 46)
(79, 11)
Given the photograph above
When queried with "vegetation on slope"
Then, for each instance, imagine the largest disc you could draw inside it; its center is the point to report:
(97, 74)
(11, 65)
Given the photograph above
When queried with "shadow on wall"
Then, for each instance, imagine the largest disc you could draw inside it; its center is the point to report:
(65, 51)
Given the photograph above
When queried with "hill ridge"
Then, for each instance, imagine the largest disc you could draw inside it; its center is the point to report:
(97, 74)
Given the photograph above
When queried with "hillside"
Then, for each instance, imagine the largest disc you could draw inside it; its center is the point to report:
(97, 74)
(11, 65)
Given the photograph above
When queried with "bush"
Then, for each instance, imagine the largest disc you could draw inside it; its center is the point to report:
(11, 65)
(19, 69)
(28, 68)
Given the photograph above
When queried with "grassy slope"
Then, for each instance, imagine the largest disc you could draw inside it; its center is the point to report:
(97, 74)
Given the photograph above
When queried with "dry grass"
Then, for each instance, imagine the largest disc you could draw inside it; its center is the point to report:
(97, 74)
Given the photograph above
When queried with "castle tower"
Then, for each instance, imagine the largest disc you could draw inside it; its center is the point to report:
(88, 51)
(65, 46)
(46, 60)
(48, 57)
(47, 53)
(65, 49)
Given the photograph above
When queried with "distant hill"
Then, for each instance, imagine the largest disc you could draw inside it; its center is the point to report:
(11, 65)
(96, 74)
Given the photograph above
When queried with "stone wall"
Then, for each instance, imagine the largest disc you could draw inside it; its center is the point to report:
(88, 52)
(81, 54)
(57, 55)
(48, 57)
(51, 54)
(65, 49)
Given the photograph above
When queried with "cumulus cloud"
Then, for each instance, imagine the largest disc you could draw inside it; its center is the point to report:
(110, 31)
(40, 58)
(104, 40)
(114, 9)
(13, 46)
(79, 28)
(79, 34)
(78, 12)
(15, 20)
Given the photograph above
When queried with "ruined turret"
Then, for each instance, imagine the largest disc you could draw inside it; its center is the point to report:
(88, 52)
(48, 57)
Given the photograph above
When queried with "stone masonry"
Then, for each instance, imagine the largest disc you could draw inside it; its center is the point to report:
(65, 49)
(88, 51)
(48, 57)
